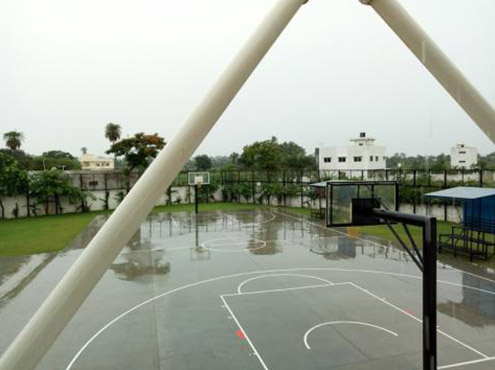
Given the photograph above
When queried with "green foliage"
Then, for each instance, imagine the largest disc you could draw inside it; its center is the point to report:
(119, 196)
(269, 190)
(202, 162)
(263, 155)
(295, 157)
(58, 161)
(13, 139)
(51, 159)
(58, 154)
(269, 155)
(13, 179)
(207, 192)
(419, 162)
(112, 132)
(50, 186)
(138, 150)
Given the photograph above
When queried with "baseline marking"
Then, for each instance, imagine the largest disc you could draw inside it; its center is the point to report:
(459, 364)
(344, 322)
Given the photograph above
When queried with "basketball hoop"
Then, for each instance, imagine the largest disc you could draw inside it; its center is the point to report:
(197, 179)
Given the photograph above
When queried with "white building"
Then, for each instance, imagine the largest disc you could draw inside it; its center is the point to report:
(462, 156)
(362, 154)
(94, 163)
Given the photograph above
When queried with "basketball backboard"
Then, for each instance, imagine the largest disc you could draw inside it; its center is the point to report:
(198, 178)
(349, 203)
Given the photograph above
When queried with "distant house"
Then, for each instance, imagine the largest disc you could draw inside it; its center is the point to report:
(362, 154)
(94, 163)
(462, 156)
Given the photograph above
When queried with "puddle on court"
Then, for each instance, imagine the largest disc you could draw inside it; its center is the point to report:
(163, 297)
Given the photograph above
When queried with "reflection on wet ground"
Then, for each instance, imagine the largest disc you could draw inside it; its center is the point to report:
(254, 290)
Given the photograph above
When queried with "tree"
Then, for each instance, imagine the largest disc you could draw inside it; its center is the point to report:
(220, 161)
(203, 162)
(58, 154)
(263, 155)
(112, 132)
(20, 156)
(50, 185)
(234, 157)
(54, 159)
(13, 139)
(13, 179)
(84, 150)
(138, 151)
(295, 156)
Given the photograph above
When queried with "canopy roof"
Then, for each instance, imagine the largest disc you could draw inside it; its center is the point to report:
(462, 192)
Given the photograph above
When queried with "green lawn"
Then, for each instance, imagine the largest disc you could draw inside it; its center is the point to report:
(383, 232)
(44, 234)
(52, 233)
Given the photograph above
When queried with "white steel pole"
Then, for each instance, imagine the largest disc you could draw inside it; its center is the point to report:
(63, 302)
(437, 62)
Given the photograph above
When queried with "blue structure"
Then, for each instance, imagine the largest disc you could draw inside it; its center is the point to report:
(478, 206)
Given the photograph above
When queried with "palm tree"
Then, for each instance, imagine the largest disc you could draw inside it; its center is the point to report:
(112, 132)
(13, 139)
(84, 150)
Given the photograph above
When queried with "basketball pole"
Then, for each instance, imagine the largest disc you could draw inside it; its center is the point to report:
(437, 62)
(29, 347)
(196, 198)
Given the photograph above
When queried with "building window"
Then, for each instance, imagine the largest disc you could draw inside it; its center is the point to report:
(361, 144)
(341, 159)
(358, 159)
(384, 158)
(462, 161)
(377, 159)
(371, 158)
(462, 152)
(327, 159)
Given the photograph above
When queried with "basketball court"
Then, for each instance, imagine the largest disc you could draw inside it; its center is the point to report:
(260, 290)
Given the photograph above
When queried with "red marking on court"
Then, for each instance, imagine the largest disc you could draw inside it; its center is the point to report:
(240, 334)
(409, 312)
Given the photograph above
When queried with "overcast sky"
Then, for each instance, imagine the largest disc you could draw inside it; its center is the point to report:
(69, 67)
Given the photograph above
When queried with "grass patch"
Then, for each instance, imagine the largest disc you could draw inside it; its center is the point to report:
(299, 211)
(382, 231)
(44, 234)
(41, 234)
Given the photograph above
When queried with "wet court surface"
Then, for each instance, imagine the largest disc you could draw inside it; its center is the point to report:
(253, 290)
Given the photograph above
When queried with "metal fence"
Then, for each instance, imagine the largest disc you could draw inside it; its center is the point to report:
(291, 187)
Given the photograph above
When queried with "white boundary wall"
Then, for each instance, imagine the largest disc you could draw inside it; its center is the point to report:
(185, 195)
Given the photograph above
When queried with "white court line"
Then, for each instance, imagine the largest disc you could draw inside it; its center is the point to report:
(372, 242)
(344, 322)
(257, 223)
(286, 274)
(245, 334)
(370, 294)
(198, 283)
(421, 321)
(459, 364)
(243, 238)
(281, 290)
